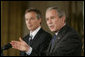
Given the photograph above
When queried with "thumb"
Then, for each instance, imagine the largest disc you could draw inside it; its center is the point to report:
(20, 39)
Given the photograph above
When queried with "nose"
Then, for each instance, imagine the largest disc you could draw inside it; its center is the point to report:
(28, 21)
(49, 21)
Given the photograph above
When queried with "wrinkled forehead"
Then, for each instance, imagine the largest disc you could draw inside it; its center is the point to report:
(51, 13)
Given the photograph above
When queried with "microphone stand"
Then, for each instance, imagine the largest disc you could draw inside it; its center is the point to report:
(7, 46)
(2, 53)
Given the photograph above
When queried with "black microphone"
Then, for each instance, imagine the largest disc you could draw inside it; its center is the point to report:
(7, 46)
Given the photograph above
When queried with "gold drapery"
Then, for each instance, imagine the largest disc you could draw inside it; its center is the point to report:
(12, 19)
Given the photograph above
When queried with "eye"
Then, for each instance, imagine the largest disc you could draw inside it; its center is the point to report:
(47, 19)
(26, 19)
(32, 18)
(52, 17)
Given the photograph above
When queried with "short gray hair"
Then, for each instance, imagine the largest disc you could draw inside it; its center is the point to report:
(59, 11)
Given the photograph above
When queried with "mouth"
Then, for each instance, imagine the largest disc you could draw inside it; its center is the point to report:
(51, 27)
(29, 25)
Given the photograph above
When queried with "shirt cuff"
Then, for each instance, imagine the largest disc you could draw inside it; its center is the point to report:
(29, 51)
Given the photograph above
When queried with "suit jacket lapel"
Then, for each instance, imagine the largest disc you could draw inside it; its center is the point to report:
(27, 39)
(59, 37)
(36, 38)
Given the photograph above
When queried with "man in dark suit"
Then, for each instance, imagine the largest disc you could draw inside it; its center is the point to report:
(35, 43)
(66, 41)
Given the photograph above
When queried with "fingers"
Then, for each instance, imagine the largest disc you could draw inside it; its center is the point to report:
(15, 44)
(20, 39)
(20, 45)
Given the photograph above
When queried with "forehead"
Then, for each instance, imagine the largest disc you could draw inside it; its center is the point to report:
(30, 14)
(51, 12)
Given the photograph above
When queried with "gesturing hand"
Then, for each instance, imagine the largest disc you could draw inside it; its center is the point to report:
(20, 45)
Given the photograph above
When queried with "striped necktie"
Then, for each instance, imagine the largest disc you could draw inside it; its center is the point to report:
(30, 39)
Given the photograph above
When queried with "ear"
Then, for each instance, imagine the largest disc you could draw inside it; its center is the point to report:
(63, 18)
(40, 20)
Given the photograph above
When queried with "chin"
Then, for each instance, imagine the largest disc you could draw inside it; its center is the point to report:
(52, 30)
(30, 29)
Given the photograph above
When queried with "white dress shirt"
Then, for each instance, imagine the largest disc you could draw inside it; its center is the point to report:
(33, 33)
(56, 33)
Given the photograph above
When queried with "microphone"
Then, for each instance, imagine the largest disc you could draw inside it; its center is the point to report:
(7, 46)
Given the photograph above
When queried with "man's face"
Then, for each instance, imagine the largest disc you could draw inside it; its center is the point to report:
(31, 21)
(53, 21)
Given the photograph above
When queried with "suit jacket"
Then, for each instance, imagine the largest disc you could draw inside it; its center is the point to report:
(39, 44)
(67, 43)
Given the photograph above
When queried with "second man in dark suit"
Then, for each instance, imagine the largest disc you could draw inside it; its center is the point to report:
(35, 43)
(66, 41)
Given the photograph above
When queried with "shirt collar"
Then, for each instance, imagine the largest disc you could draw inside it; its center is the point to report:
(58, 31)
(33, 33)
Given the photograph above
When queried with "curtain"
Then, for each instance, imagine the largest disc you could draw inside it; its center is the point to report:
(13, 24)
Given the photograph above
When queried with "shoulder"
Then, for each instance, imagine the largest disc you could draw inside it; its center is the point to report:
(25, 38)
(42, 31)
(69, 33)
(69, 37)
(72, 32)
(45, 33)
(67, 30)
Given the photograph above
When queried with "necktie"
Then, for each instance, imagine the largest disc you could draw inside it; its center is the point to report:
(52, 43)
(30, 39)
